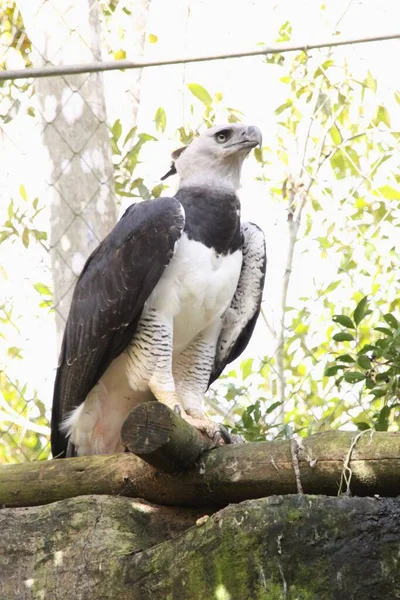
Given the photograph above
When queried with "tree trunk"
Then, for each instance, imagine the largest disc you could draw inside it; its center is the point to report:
(278, 548)
(75, 134)
(227, 474)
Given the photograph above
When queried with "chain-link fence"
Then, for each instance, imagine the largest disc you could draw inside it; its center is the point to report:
(76, 148)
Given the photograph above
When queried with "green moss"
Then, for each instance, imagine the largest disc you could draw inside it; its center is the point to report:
(293, 515)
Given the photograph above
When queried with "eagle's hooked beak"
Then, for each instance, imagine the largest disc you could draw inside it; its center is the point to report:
(254, 135)
(251, 137)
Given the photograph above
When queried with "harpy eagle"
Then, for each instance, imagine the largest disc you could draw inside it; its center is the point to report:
(164, 302)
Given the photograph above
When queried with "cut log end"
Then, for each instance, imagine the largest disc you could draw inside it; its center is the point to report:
(162, 438)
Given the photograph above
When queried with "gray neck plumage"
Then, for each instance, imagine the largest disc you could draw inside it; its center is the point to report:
(207, 171)
(212, 216)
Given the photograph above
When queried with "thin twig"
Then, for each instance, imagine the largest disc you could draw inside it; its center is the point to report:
(295, 447)
(270, 327)
(347, 473)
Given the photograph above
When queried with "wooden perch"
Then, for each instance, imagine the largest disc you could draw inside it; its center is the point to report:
(162, 438)
(227, 474)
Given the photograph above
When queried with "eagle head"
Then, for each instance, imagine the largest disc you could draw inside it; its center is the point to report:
(216, 156)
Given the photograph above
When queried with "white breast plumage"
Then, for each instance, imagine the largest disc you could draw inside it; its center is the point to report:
(196, 289)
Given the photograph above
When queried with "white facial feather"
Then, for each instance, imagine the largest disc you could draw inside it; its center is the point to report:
(206, 161)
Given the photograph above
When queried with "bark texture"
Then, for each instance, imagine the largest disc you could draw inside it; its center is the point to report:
(227, 474)
(286, 548)
(162, 438)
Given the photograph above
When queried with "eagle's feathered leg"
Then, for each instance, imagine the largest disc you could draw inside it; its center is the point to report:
(191, 370)
(149, 364)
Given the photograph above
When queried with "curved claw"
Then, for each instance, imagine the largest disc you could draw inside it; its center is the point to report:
(237, 439)
(177, 410)
(226, 436)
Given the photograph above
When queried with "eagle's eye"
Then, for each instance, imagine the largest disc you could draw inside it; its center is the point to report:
(222, 136)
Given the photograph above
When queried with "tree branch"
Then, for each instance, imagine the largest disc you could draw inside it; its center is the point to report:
(221, 476)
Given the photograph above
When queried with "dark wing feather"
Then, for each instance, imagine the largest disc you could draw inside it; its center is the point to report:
(245, 308)
(115, 282)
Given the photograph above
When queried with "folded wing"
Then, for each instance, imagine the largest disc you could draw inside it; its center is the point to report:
(108, 300)
(242, 315)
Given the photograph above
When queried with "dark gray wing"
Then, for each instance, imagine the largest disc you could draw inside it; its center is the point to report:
(242, 315)
(108, 300)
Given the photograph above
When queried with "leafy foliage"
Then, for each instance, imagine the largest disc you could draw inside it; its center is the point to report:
(126, 155)
(24, 431)
(21, 219)
(15, 48)
(373, 362)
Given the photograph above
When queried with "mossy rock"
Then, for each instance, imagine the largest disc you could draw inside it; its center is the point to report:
(281, 547)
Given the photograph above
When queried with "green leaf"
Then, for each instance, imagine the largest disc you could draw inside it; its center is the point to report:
(14, 352)
(367, 348)
(43, 289)
(39, 235)
(346, 358)
(382, 116)
(384, 330)
(378, 392)
(284, 106)
(200, 93)
(342, 336)
(11, 210)
(114, 147)
(370, 82)
(333, 370)
(335, 135)
(322, 68)
(247, 419)
(391, 320)
(388, 192)
(338, 164)
(353, 376)
(160, 119)
(258, 153)
(35, 203)
(126, 194)
(384, 376)
(362, 426)
(285, 32)
(272, 407)
(116, 130)
(25, 237)
(360, 311)
(22, 192)
(364, 362)
(353, 160)
(157, 190)
(120, 54)
(4, 235)
(382, 423)
(246, 366)
(146, 137)
(339, 381)
(130, 133)
(344, 320)
(369, 383)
